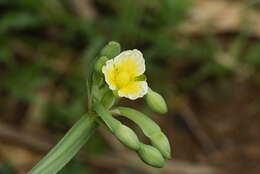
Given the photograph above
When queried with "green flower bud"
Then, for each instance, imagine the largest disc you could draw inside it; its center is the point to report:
(160, 141)
(104, 90)
(100, 63)
(109, 99)
(127, 136)
(111, 50)
(97, 79)
(156, 102)
(151, 156)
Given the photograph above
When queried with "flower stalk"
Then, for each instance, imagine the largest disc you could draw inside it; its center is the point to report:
(114, 75)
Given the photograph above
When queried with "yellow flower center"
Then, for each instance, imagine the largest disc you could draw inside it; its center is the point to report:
(122, 79)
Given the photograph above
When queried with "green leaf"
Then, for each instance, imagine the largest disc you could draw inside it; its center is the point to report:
(68, 146)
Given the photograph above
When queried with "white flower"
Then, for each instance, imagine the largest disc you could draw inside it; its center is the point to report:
(122, 72)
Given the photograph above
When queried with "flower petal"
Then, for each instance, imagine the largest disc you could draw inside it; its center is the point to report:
(134, 90)
(110, 72)
(133, 59)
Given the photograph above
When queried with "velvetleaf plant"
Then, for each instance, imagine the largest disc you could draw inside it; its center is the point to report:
(115, 74)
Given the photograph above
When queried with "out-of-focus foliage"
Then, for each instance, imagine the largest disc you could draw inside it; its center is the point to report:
(252, 55)
(45, 45)
(45, 50)
(6, 168)
(74, 167)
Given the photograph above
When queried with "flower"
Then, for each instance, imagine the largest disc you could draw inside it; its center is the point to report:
(122, 72)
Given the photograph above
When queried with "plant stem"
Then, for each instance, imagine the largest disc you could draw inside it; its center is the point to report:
(68, 146)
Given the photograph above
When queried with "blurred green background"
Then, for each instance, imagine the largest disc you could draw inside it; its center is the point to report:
(203, 56)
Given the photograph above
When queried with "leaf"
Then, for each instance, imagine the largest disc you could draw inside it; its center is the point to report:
(67, 148)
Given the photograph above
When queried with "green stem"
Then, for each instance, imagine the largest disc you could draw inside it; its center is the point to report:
(68, 146)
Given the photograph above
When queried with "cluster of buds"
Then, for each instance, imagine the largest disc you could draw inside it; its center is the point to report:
(121, 74)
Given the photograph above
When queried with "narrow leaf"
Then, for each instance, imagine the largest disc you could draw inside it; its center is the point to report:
(68, 146)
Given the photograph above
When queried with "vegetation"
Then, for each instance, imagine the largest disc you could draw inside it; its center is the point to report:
(210, 77)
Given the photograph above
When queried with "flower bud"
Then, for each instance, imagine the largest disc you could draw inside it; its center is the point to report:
(151, 156)
(108, 100)
(156, 102)
(160, 141)
(111, 50)
(103, 90)
(100, 63)
(97, 79)
(127, 136)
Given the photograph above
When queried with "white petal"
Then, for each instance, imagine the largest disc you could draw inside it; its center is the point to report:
(140, 93)
(108, 66)
(136, 56)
